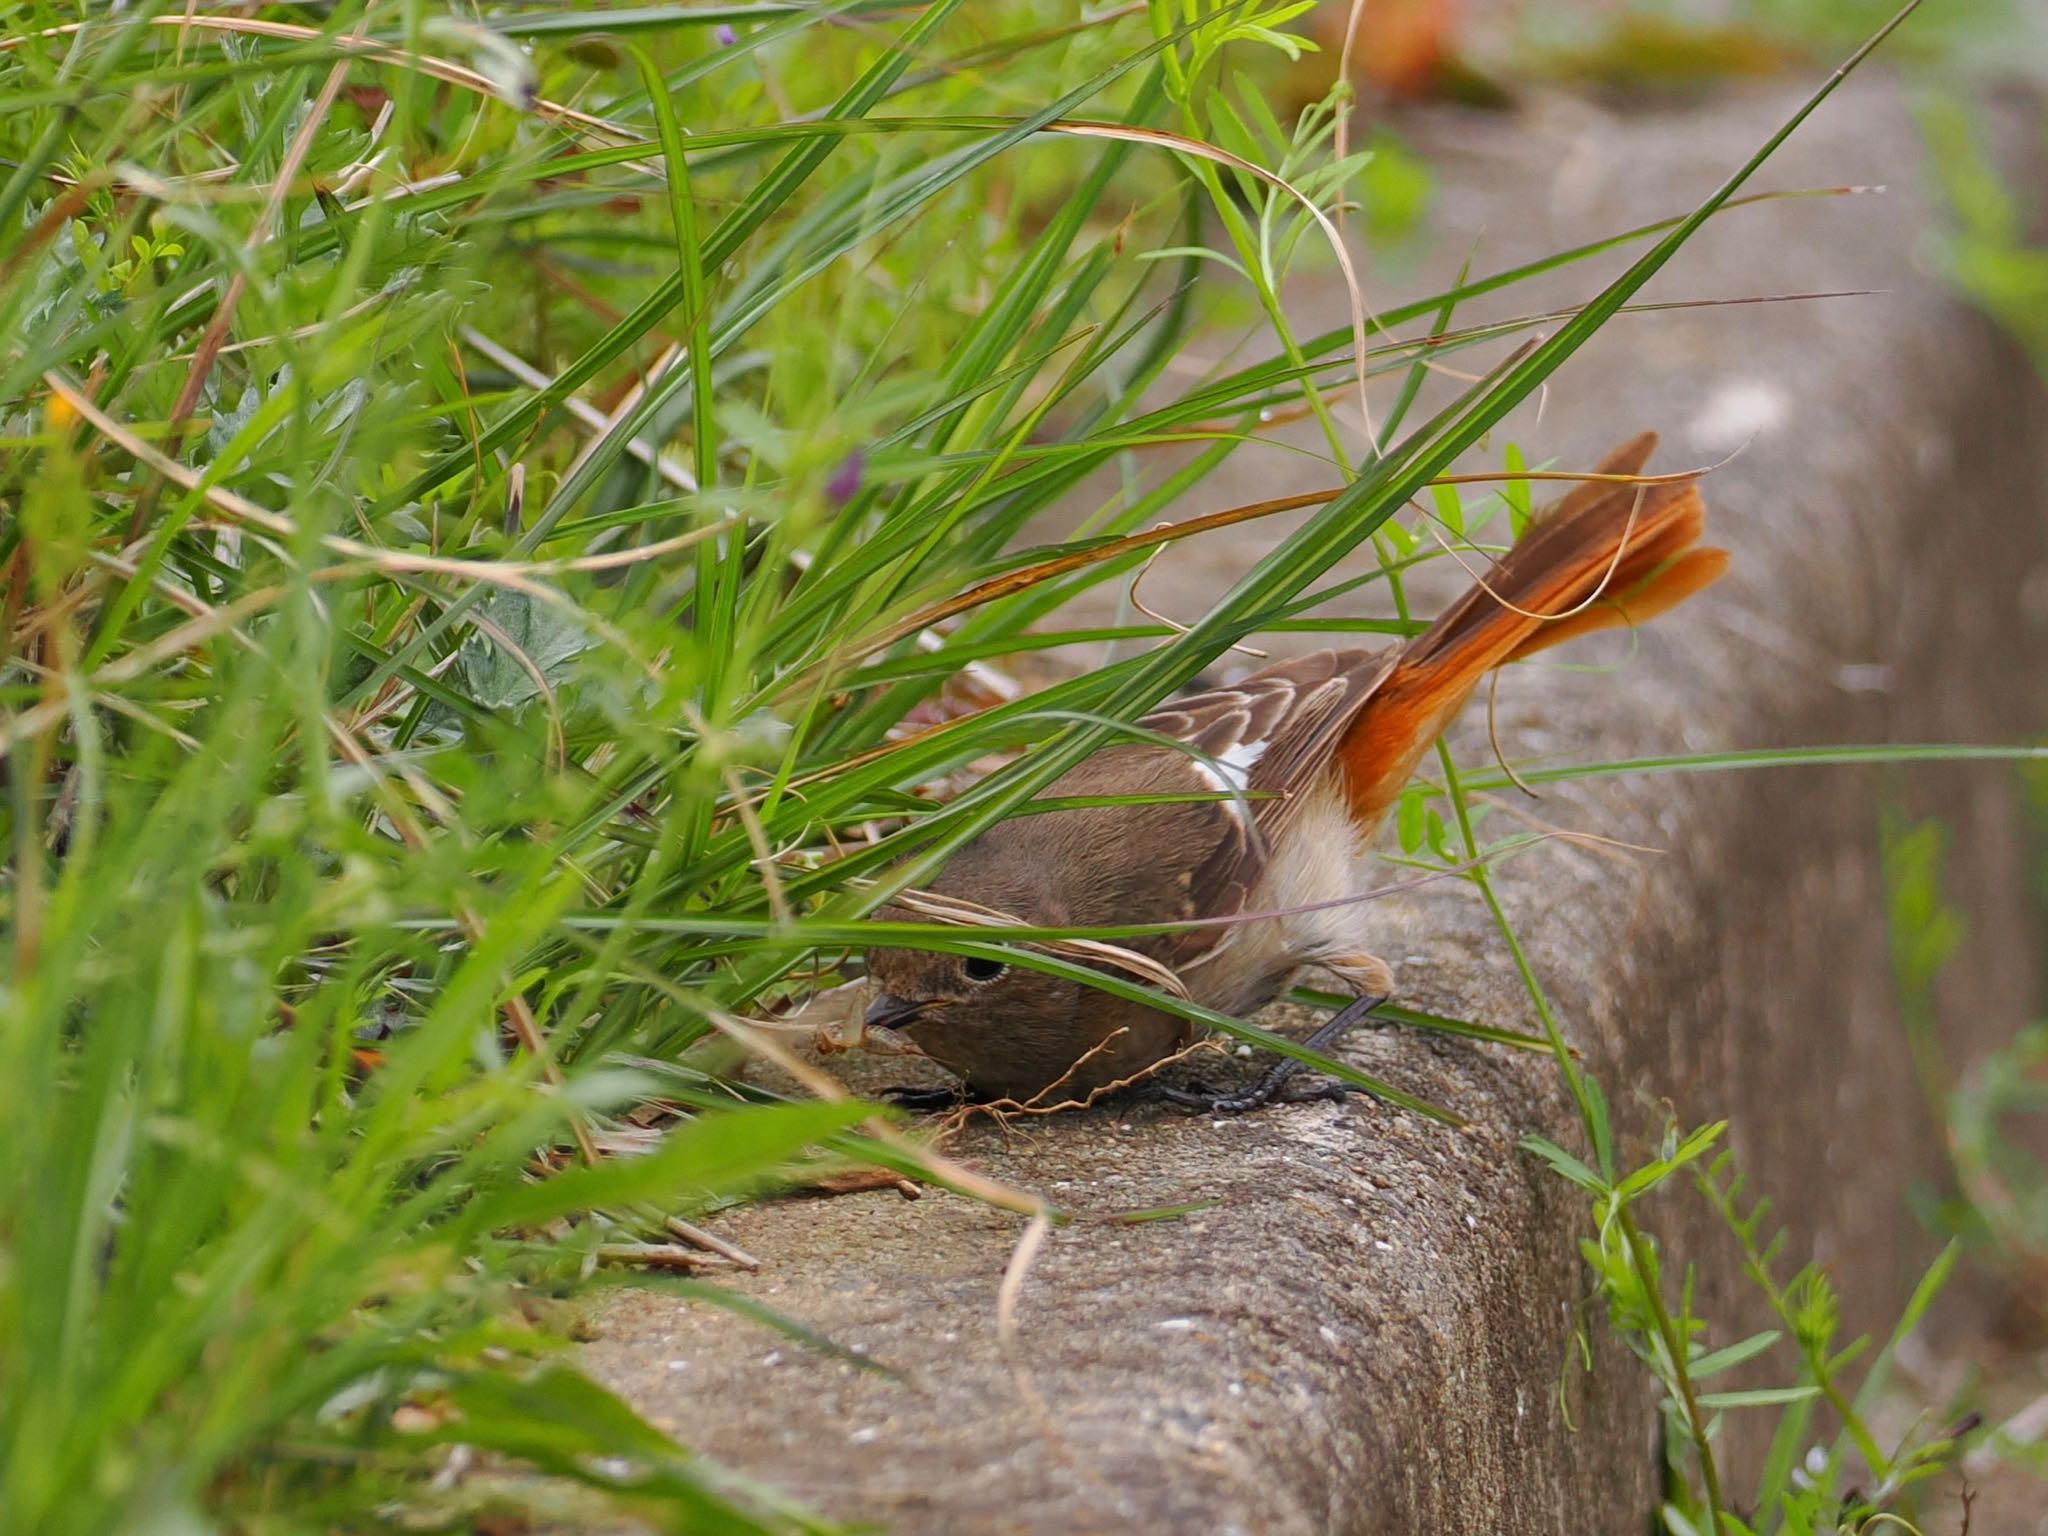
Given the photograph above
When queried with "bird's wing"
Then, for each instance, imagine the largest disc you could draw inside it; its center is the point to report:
(1272, 733)
(1268, 737)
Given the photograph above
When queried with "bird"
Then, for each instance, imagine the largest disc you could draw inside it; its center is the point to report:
(1297, 766)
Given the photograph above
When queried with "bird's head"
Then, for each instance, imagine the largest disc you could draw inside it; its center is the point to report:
(1007, 1029)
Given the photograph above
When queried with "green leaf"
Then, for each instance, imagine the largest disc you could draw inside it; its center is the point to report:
(1413, 806)
(1932, 1281)
(1650, 1176)
(1769, 757)
(564, 1423)
(515, 638)
(1600, 1127)
(1727, 1358)
(1438, 836)
(711, 1154)
(1761, 1397)
(1515, 492)
(1564, 1163)
(1450, 508)
(1164, 1212)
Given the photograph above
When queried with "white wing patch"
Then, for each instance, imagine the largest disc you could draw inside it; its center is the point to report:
(1238, 760)
(1231, 772)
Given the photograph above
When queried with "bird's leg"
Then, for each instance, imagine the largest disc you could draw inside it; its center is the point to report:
(1373, 983)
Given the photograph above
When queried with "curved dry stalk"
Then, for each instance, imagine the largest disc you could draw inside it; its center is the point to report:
(1594, 841)
(1599, 589)
(962, 912)
(1159, 138)
(514, 575)
(509, 573)
(366, 47)
(674, 473)
(1012, 582)
(356, 747)
(1342, 147)
(170, 592)
(133, 664)
(1022, 1257)
(207, 352)
(1493, 736)
(1035, 1106)
(1131, 596)
(304, 332)
(114, 703)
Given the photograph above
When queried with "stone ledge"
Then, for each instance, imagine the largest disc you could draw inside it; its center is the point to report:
(1365, 1327)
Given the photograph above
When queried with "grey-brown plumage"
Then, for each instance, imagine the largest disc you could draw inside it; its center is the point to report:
(1015, 1033)
(1318, 748)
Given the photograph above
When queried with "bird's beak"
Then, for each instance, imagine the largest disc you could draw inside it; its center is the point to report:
(888, 1011)
(885, 1015)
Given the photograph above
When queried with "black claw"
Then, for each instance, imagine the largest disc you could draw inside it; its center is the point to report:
(1319, 1093)
(1257, 1097)
(1213, 1103)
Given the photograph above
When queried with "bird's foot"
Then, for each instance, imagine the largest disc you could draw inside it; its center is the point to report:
(1278, 1085)
(1295, 1091)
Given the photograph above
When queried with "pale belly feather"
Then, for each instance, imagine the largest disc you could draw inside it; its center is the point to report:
(1322, 857)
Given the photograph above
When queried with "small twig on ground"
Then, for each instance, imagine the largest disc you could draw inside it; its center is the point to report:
(660, 1256)
(711, 1242)
(856, 1181)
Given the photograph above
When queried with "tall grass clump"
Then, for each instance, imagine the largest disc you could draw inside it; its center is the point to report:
(485, 502)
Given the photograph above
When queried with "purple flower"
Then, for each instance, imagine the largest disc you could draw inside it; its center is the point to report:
(725, 35)
(845, 481)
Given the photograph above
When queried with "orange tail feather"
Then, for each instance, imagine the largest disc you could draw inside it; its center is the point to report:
(1605, 556)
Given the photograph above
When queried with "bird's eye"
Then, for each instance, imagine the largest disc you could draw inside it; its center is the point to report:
(979, 969)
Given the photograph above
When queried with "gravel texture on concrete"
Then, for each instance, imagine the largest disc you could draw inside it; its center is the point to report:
(1368, 1324)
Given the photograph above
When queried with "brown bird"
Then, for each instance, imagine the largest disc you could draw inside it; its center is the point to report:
(1322, 746)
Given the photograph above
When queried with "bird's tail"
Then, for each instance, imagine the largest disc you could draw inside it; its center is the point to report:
(1607, 555)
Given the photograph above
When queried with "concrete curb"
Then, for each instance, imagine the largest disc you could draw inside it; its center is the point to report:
(1365, 1326)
